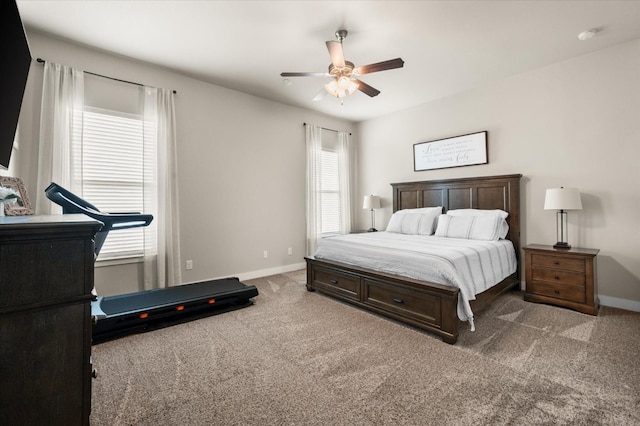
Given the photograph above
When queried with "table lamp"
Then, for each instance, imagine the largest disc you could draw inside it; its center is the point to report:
(372, 202)
(562, 199)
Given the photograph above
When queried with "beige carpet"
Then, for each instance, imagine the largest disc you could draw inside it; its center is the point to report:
(300, 358)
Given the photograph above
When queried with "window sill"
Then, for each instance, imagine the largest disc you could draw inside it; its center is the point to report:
(116, 262)
(330, 234)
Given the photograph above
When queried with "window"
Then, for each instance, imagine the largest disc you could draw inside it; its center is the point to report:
(330, 192)
(109, 148)
(328, 188)
(120, 158)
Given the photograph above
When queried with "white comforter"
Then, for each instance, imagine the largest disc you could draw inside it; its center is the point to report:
(471, 265)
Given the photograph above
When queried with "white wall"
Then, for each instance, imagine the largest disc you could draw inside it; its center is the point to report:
(574, 123)
(241, 167)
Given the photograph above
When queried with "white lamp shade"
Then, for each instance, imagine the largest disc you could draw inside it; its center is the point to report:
(371, 202)
(562, 199)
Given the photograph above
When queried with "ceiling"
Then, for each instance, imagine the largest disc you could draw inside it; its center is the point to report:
(447, 46)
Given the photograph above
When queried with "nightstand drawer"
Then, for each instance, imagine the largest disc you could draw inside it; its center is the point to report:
(556, 276)
(558, 262)
(557, 291)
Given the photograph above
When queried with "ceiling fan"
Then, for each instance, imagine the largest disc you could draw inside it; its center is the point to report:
(344, 73)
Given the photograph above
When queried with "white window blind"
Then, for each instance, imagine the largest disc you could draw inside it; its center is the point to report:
(330, 192)
(111, 174)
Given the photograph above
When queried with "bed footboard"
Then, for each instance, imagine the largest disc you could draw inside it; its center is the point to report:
(428, 306)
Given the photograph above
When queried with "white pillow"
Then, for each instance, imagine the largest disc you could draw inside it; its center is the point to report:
(472, 227)
(412, 223)
(422, 210)
(504, 226)
(478, 212)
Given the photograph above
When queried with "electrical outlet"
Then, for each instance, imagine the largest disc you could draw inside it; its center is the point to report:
(189, 265)
(290, 251)
(266, 254)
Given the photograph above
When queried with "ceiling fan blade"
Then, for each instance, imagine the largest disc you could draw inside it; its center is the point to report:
(366, 89)
(335, 51)
(320, 96)
(304, 74)
(381, 66)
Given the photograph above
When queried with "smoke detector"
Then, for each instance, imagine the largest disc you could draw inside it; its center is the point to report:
(586, 35)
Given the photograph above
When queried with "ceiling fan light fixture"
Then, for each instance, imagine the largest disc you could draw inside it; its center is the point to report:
(341, 87)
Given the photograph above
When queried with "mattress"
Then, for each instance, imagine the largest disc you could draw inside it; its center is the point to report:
(473, 266)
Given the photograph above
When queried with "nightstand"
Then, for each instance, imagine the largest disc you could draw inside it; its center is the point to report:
(561, 277)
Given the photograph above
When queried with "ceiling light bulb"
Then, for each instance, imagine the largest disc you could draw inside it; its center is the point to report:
(343, 82)
(331, 87)
(352, 87)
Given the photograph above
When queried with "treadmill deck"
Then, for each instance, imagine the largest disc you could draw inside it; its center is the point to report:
(157, 308)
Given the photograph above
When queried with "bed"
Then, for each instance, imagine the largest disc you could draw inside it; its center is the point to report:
(423, 303)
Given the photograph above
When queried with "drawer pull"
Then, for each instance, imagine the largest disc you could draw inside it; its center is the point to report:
(556, 291)
(334, 281)
(557, 277)
(555, 262)
(397, 300)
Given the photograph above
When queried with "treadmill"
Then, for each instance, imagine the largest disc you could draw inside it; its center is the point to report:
(116, 316)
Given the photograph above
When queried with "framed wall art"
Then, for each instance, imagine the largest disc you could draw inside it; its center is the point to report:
(458, 151)
(21, 206)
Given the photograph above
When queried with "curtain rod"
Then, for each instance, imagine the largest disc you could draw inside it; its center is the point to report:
(42, 61)
(329, 130)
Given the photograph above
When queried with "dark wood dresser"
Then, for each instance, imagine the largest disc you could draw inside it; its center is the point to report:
(561, 277)
(46, 278)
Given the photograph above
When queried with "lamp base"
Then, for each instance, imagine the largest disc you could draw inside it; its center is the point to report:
(562, 246)
(372, 230)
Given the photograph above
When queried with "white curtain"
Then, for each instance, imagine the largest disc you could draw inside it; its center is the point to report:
(313, 136)
(314, 184)
(60, 161)
(344, 171)
(61, 111)
(162, 238)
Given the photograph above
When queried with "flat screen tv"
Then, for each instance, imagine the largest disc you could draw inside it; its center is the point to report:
(16, 60)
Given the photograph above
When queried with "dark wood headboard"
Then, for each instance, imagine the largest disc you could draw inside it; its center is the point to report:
(487, 193)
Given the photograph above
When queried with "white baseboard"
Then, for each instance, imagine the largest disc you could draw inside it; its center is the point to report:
(612, 302)
(615, 302)
(271, 271)
(260, 273)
